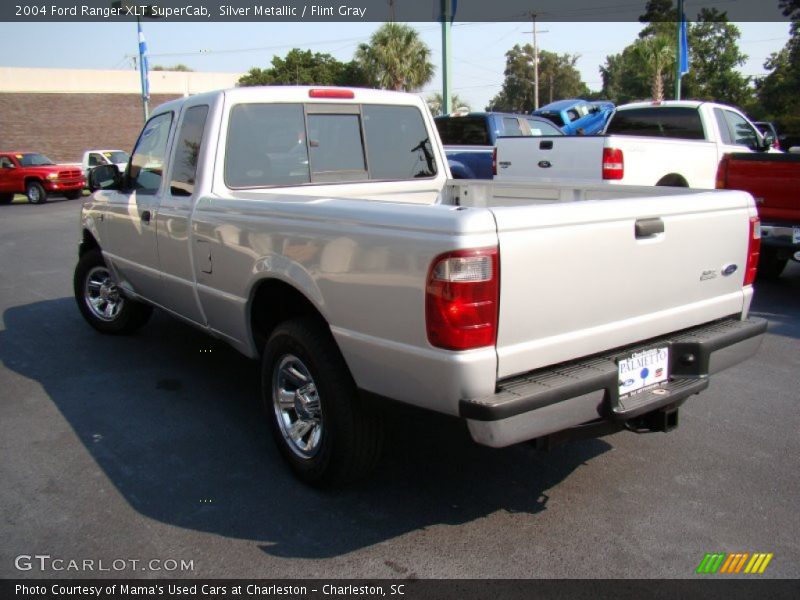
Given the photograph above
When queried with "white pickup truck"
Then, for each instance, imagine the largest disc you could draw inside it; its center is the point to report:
(318, 231)
(674, 143)
(95, 158)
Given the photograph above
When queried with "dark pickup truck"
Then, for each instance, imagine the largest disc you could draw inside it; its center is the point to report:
(774, 182)
(469, 139)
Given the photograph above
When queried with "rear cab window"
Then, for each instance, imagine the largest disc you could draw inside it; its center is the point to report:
(658, 121)
(296, 144)
(463, 131)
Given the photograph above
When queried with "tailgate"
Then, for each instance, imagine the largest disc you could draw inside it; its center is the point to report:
(772, 179)
(550, 158)
(576, 280)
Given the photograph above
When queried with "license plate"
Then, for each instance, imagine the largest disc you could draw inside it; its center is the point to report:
(643, 370)
(796, 235)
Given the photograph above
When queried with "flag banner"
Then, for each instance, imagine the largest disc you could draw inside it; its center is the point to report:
(683, 49)
(143, 65)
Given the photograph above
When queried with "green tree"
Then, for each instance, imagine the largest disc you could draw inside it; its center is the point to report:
(436, 104)
(395, 59)
(777, 91)
(558, 79)
(658, 54)
(302, 67)
(714, 59)
(625, 77)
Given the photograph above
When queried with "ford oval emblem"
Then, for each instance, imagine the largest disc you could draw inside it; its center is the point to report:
(729, 269)
(545, 164)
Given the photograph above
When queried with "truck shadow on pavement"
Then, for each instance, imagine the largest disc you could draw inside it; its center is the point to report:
(173, 419)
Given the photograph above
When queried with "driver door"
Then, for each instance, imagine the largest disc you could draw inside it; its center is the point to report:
(131, 216)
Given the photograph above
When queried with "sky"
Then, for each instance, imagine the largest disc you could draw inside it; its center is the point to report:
(478, 48)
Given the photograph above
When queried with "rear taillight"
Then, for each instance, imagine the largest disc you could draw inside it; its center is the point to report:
(494, 161)
(753, 249)
(461, 299)
(722, 173)
(613, 163)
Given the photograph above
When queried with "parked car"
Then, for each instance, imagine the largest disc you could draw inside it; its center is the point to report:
(766, 127)
(36, 176)
(95, 158)
(363, 273)
(576, 116)
(672, 143)
(774, 181)
(469, 139)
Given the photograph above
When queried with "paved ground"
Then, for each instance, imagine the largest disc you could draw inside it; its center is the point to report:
(153, 447)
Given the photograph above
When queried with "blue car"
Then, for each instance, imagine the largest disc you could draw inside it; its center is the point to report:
(469, 139)
(576, 116)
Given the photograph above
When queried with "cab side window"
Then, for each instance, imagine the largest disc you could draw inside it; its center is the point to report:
(5, 163)
(742, 132)
(187, 151)
(95, 160)
(147, 163)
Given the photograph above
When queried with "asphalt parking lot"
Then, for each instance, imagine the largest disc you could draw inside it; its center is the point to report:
(153, 448)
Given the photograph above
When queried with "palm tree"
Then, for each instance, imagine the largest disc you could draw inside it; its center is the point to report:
(436, 104)
(395, 58)
(657, 53)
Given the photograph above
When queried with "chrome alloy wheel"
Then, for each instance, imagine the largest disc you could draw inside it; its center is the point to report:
(102, 295)
(297, 407)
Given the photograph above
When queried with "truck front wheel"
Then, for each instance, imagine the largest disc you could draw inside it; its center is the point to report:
(35, 192)
(326, 433)
(102, 302)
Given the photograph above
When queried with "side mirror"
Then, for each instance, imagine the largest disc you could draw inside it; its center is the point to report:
(769, 140)
(105, 177)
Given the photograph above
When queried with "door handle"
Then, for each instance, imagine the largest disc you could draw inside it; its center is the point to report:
(146, 216)
(546, 145)
(646, 228)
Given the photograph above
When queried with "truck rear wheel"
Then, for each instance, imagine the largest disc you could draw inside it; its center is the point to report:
(35, 192)
(326, 433)
(102, 302)
(770, 266)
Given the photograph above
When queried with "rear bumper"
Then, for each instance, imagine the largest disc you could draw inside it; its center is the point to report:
(784, 238)
(571, 394)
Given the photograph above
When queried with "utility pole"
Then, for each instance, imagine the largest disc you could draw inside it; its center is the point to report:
(535, 62)
(680, 42)
(447, 15)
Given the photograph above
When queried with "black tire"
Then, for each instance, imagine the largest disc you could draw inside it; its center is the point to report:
(6, 198)
(73, 195)
(770, 266)
(111, 312)
(345, 443)
(672, 181)
(35, 192)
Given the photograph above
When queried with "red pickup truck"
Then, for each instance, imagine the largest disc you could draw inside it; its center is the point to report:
(36, 176)
(774, 182)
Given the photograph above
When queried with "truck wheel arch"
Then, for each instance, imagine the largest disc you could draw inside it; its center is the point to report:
(272, 302)
(88, 242)
(673, 180)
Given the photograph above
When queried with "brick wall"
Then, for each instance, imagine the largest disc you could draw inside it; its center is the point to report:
(63, 126)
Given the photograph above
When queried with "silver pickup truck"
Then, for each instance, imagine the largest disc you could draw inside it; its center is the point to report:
(317, 230)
